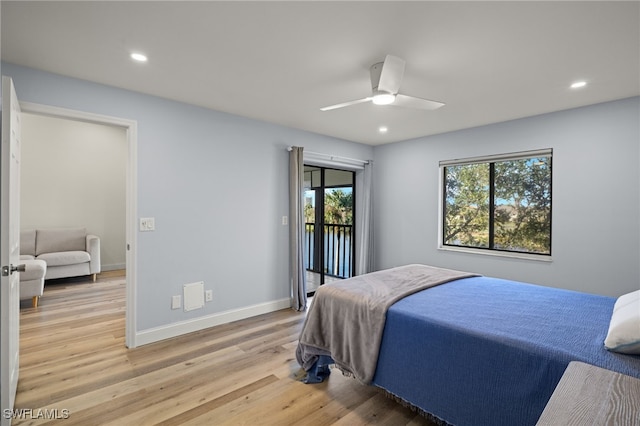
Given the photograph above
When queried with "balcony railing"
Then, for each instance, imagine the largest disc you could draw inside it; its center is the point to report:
(338, 253)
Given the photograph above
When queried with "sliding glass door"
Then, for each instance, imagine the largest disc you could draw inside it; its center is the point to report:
(329, 225)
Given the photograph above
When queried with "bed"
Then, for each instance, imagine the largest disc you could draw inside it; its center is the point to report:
(462, 348)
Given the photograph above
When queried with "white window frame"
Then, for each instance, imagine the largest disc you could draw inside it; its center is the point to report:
(548, 152)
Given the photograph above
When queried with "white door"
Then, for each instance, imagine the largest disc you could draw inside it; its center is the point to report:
(9, 248)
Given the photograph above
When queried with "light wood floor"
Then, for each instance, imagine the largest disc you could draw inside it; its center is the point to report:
(73, 363)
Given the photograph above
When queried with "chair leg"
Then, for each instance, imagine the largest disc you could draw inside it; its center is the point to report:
(34, 301)
(95, 276)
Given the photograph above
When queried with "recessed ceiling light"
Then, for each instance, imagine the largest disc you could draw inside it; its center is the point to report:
(578, 84)
(139, 57)
(383, 129)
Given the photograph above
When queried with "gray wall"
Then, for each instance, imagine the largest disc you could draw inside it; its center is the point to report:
(596, 197)
(73, 174)
(217, 185)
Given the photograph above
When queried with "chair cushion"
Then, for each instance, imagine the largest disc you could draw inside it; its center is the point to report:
(60, 239)
(63, 258)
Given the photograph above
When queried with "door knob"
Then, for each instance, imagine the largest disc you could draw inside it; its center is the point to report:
(8, 270)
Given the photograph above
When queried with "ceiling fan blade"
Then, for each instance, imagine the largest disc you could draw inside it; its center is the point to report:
(391, 75)
(417, 103)
(345, 104)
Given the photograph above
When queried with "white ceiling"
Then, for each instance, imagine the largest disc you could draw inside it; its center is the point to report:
(281, 61)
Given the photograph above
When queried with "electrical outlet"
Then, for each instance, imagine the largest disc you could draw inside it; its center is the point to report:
(285, 220)
(208, 295)
(176, 302)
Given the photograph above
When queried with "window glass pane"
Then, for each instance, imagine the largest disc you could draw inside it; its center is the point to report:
(338, 177)
(309, 206)
(309, 227)
(312, 178)
(338, 206)
(466, 204)
(522, 214)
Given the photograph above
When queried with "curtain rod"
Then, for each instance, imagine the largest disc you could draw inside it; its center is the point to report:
(333, 157)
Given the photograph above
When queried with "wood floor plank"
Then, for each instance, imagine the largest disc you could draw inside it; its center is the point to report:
(189, 416)
(73, 360)
(277, 404)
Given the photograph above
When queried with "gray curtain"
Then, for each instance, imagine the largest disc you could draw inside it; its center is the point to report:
(364, 262)
(296, 229)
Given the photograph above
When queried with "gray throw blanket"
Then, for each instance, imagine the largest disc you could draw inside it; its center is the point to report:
(347, 318)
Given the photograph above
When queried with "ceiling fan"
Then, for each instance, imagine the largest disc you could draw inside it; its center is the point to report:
(386, 78)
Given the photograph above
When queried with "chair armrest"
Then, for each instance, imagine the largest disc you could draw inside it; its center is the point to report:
(93, 248)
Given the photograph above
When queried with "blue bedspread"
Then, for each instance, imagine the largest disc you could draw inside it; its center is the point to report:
(486, 351)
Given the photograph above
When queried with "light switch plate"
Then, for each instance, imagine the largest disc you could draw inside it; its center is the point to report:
(147, 224)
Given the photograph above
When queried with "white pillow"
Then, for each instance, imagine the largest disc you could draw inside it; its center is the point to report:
(624, 328)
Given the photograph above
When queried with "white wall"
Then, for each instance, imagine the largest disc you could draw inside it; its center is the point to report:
(73, 174)
(217, 185)
(596, 197)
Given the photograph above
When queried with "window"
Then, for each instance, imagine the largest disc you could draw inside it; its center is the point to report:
(500, 203)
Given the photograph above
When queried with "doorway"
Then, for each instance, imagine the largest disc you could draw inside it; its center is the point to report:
(329, 211)
(85, 168)
(130, 130)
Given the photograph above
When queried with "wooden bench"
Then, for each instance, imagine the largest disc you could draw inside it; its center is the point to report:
(590, 395)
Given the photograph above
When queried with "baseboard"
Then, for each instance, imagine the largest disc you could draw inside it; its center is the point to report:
(113, 267)
(177, 329)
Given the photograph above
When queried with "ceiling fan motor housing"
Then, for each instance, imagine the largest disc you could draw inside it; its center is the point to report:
(379, 97)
